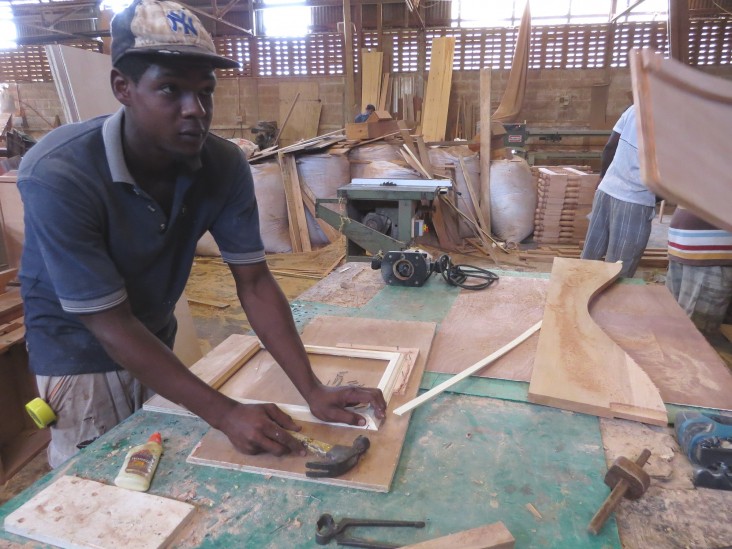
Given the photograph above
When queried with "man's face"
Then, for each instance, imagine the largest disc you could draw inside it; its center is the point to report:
(171, 107)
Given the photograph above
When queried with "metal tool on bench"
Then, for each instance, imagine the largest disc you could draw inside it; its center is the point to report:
(627, 479)
(329, 529)
(379, 215)
(338, 459)
(706, 439)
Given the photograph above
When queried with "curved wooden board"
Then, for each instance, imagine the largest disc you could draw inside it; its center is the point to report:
(675, 102)
(577, 366)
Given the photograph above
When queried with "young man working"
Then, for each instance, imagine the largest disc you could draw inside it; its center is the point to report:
(623, 208)
(114, 207)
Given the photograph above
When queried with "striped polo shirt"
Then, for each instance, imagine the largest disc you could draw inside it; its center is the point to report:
(693, 241)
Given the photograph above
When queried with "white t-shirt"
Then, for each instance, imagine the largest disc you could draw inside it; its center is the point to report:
(622, 179)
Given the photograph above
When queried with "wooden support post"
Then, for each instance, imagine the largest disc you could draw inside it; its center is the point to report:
(349, 102)
(485, 146)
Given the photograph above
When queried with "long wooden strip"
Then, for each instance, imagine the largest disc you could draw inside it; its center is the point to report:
(371, 62)
(469, 371)
(437, 95)
(577, 366)
(298, 224)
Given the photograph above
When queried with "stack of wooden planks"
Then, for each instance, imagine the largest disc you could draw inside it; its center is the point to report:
(652, 257)
(564, 200)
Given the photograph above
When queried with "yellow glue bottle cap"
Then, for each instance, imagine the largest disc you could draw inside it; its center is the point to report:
(40, 412)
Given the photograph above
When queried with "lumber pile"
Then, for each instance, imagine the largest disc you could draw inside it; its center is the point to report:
(564, 200)
(652, 257)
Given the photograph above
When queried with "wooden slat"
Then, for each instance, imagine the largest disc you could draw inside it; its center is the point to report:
(298, 224)
(371, 62)
(309, 198)
(437, 95)
(491, 536)
(577, 366)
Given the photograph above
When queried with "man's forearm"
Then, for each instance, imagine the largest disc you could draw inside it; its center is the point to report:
(269, 314)
(131, 345)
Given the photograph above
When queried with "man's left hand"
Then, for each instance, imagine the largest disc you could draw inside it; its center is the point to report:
(329, 403)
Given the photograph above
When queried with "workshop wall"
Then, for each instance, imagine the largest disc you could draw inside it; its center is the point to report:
(554, 98)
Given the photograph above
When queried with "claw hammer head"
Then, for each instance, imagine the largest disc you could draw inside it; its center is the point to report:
(338, 459)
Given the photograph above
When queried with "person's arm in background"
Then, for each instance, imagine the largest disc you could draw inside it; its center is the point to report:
(269, 314)
(608, 153)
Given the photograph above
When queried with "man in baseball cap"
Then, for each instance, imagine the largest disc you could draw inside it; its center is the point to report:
(114, 207)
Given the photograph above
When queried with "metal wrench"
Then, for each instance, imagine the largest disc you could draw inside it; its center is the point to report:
(328, 529)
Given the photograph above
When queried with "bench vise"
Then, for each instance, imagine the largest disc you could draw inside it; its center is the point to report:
(706, 439)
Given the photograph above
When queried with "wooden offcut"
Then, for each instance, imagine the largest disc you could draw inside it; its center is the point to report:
(437, 95)
(76, 513)
(490, 536)
(577, 366)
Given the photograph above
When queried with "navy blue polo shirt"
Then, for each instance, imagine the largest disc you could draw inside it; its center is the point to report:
(94, 239)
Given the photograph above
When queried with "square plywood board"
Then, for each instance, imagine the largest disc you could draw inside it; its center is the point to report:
(644, 320)
(78, 513)
(376, 469)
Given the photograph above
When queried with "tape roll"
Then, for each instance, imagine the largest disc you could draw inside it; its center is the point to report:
(40, 412)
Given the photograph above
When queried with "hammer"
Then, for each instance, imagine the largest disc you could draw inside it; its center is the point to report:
(338, 459)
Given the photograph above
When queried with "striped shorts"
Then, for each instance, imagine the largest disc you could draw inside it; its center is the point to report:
(703, 292)
(618, 231)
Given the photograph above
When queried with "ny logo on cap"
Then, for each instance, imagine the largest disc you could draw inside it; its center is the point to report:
(186, 22)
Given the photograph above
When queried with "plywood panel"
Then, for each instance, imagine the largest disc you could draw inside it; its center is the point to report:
(437, 95)
(12, 217)
(479, 323)
(577, 366)
(305, 117)
(78, 513)
(376, 469)
(82, 82)
(644, 320)
(303, 122)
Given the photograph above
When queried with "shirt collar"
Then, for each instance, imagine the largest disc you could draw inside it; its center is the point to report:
(112, 135)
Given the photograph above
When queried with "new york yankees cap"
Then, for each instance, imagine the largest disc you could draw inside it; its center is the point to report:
(163, 28)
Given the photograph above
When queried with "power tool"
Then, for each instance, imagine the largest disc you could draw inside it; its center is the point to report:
(706, 439)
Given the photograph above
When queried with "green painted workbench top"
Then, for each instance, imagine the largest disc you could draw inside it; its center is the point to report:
(467, 461)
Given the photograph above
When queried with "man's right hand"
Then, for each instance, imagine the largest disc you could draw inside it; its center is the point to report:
(261, 428)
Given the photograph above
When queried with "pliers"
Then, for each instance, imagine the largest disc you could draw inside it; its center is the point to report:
(328, 529)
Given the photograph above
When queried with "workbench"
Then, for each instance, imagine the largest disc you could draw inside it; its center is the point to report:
(475, 456)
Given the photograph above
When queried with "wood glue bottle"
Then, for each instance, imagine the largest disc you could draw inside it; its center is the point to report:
(140, 464)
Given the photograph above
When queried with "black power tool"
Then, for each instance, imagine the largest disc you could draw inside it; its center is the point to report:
(413, 267)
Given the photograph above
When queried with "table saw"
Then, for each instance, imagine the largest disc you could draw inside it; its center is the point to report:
(475, 456)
